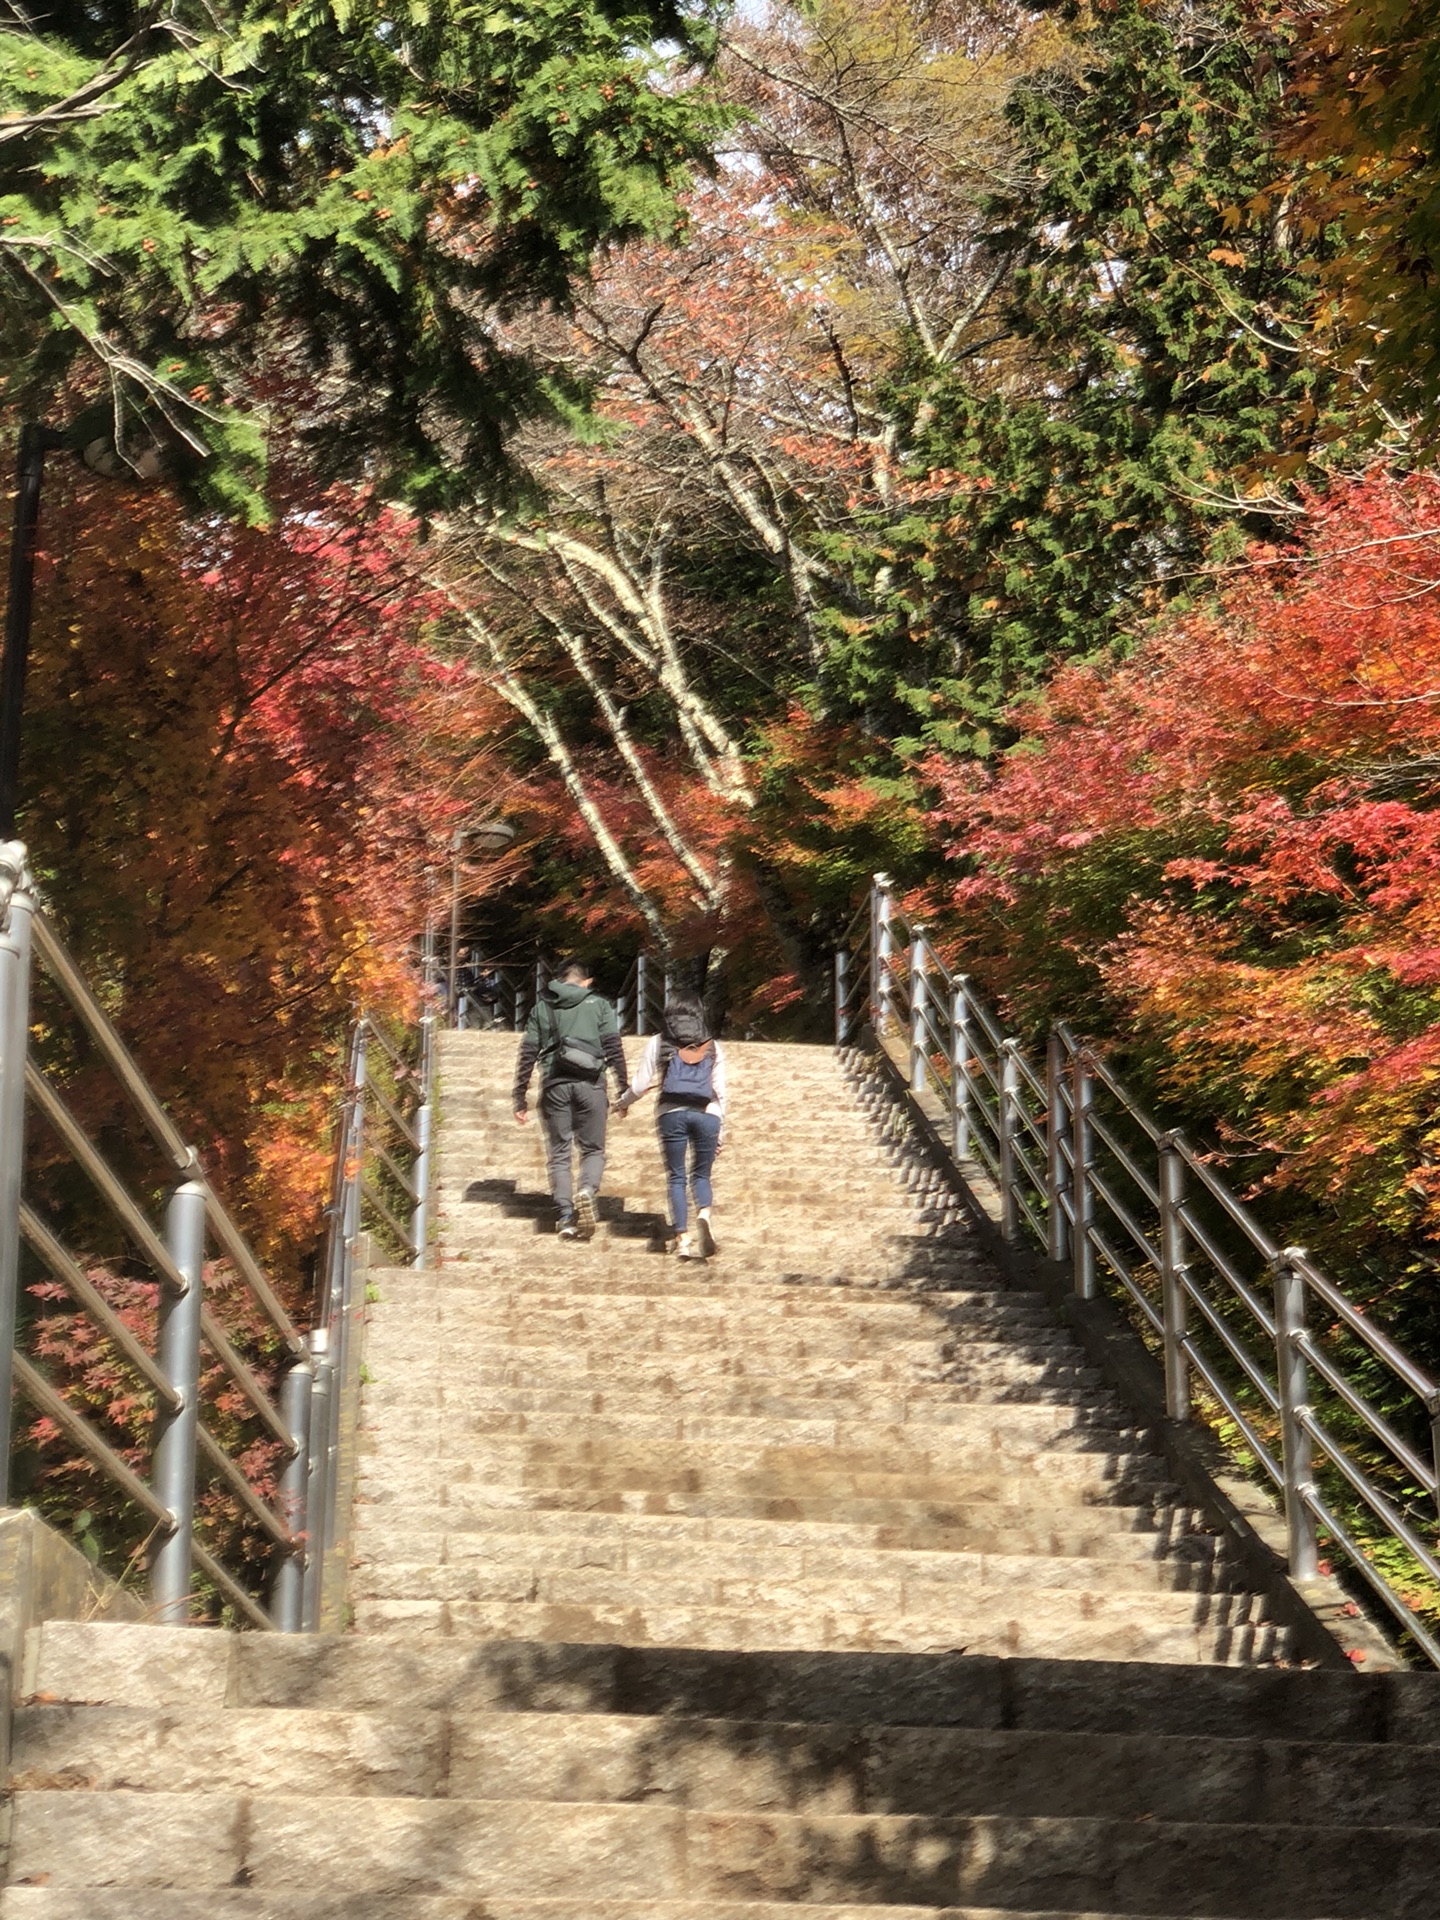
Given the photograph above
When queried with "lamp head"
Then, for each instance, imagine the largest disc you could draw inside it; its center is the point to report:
(492, 836)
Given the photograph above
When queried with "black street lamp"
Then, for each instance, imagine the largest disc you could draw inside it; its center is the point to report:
(35, 443)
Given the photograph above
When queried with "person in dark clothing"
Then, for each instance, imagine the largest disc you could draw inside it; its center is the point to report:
(477, 987)
(574, 1035)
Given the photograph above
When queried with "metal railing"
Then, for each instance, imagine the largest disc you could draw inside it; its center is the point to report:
(1254, 1336)
(511, 992)
(508, 993)
(501, 998)
(380, 1192)
(181, 1318)
(642, 996)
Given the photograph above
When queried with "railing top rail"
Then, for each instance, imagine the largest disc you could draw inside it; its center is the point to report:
(232, 1245)
(1109, 1078)
(1235, 1210)
(167, 1137)
(373, 1028)
(121, 1061)
(1380, 1344)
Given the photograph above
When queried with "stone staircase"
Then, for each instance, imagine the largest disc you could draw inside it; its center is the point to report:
(822, 1579)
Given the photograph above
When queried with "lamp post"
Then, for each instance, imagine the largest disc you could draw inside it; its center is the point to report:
(35, 443)
(488, 836)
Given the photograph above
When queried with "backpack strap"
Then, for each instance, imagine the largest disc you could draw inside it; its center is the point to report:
(557, 1032)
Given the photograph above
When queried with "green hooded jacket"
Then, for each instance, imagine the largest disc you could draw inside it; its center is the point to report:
(568, 1011)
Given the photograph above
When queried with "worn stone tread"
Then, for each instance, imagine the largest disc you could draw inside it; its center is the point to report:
(720, 1765)
(170, 1667)
(628, 1551)
(526, 1849)
(59, 1903)
(1018, 1631)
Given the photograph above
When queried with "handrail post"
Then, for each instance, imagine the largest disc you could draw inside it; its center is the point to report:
(1057, 1166)
(1296, 1459)
(1173, 1260)
(641, 1026)
(317, 1493)
(842, 997)
(176, 1428)
(962, 1095)
(1009, 1096)
(1082, 1166)
(15, 941)
(287, 1592)
(424, 1119)
(884, 951)
(919, 984)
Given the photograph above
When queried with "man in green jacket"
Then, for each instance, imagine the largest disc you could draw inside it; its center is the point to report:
(574, 1035)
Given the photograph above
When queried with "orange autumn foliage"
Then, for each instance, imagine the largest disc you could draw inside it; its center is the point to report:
(1225, 854)
(241, 757)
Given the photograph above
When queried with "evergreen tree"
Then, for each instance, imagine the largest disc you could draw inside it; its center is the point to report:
(1166, 397)
(202, 206)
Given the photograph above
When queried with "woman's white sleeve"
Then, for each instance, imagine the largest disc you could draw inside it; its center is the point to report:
(717, 1081)
(644, 1070)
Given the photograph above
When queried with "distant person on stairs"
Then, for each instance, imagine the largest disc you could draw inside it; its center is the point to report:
(573, 1033)
(689, 1067)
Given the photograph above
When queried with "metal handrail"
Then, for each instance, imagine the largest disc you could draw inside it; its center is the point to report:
(195, 1348)
(378, 1130)
(176, 1261)
(71, 982)
(1292, 1392)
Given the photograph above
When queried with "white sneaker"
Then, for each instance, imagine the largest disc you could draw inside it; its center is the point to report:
(708, 1243)
(585, 1214)
(685, 1248)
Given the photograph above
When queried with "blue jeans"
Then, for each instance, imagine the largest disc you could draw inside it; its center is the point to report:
(688, 1127)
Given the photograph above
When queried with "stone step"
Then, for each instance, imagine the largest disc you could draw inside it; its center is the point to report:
(729, 1397)
(99, 1903)
(970, 1434)
(797, 1269)
(1194, 1564)
(772, 1348)
(741, 1238)
(473, 1151)
(556, 1270)
(857, 1316)
(1047, 1626)
(720, 1765)
(971, 1504)
(1117, 1534)
(747, 1217)
(565, 1277)
(771, 1148)
(779, 1493)
(45, 1903)
(798, 1309)
(992, 1593)
(488, 1849)
(989, 1365)
(584, 1460)
(170, 1668)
